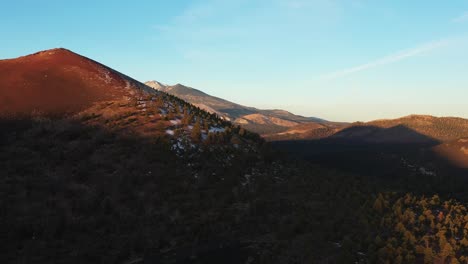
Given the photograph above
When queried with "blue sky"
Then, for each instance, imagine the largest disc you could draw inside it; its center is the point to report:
(340, 60)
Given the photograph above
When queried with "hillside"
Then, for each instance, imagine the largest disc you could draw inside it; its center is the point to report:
(413, 128)
(257, 120)
(455, 151)
(306, 131)
(409, 129)
(58, 82)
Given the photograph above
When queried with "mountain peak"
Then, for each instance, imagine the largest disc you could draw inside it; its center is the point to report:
(58, 81)
(54, 51)
(156, 85)
(179, 85)
(253, 119)
(44, 54)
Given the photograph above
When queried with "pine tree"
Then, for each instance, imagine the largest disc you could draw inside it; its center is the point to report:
(410, 258)
(428, 255)
(196, 132)
(447, 251)
(378, 205)
(399, 259)
(241, 132)
(206, 125)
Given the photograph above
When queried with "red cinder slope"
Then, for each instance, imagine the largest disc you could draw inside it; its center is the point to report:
(57, 82)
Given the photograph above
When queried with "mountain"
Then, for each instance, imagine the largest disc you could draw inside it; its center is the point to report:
(58, 81)
(408, 129)
(87, 150)
(98, 168)
(257, 120)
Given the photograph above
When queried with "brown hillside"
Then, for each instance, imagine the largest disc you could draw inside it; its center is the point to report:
(456, 151)
(58, 81)
(408, 129)
(413, 128)
(306, 131)
(60, 84)
(439, 128)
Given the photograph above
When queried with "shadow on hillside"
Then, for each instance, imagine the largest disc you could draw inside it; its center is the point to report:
(378, 152)
(236, 112)
(399, 134)
(71, 193)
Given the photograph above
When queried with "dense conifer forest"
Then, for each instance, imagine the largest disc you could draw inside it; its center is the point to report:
(74, 193)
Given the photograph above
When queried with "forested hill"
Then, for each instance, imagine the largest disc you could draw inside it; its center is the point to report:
(127, 175)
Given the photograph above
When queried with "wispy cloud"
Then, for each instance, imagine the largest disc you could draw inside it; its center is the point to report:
(462, 18)
(195, 13)
(398, 56)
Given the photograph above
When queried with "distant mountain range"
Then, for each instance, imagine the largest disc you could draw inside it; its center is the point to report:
(444, 133)
(256, 120)
(282, 125)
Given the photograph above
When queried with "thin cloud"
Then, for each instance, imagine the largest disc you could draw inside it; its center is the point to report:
(399, 56)
(461, 18)
(195, 13)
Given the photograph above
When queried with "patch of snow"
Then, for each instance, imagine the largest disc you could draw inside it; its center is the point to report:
(424, 171)
(217, 129)
(170, 132)
(178, 145)
(175, 121)
(247, 179)
(108, 78)
(128, 86)
(337, 244)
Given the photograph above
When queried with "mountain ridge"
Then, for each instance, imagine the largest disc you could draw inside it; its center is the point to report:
(60, 84)
(262, 121)
(277, 124)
